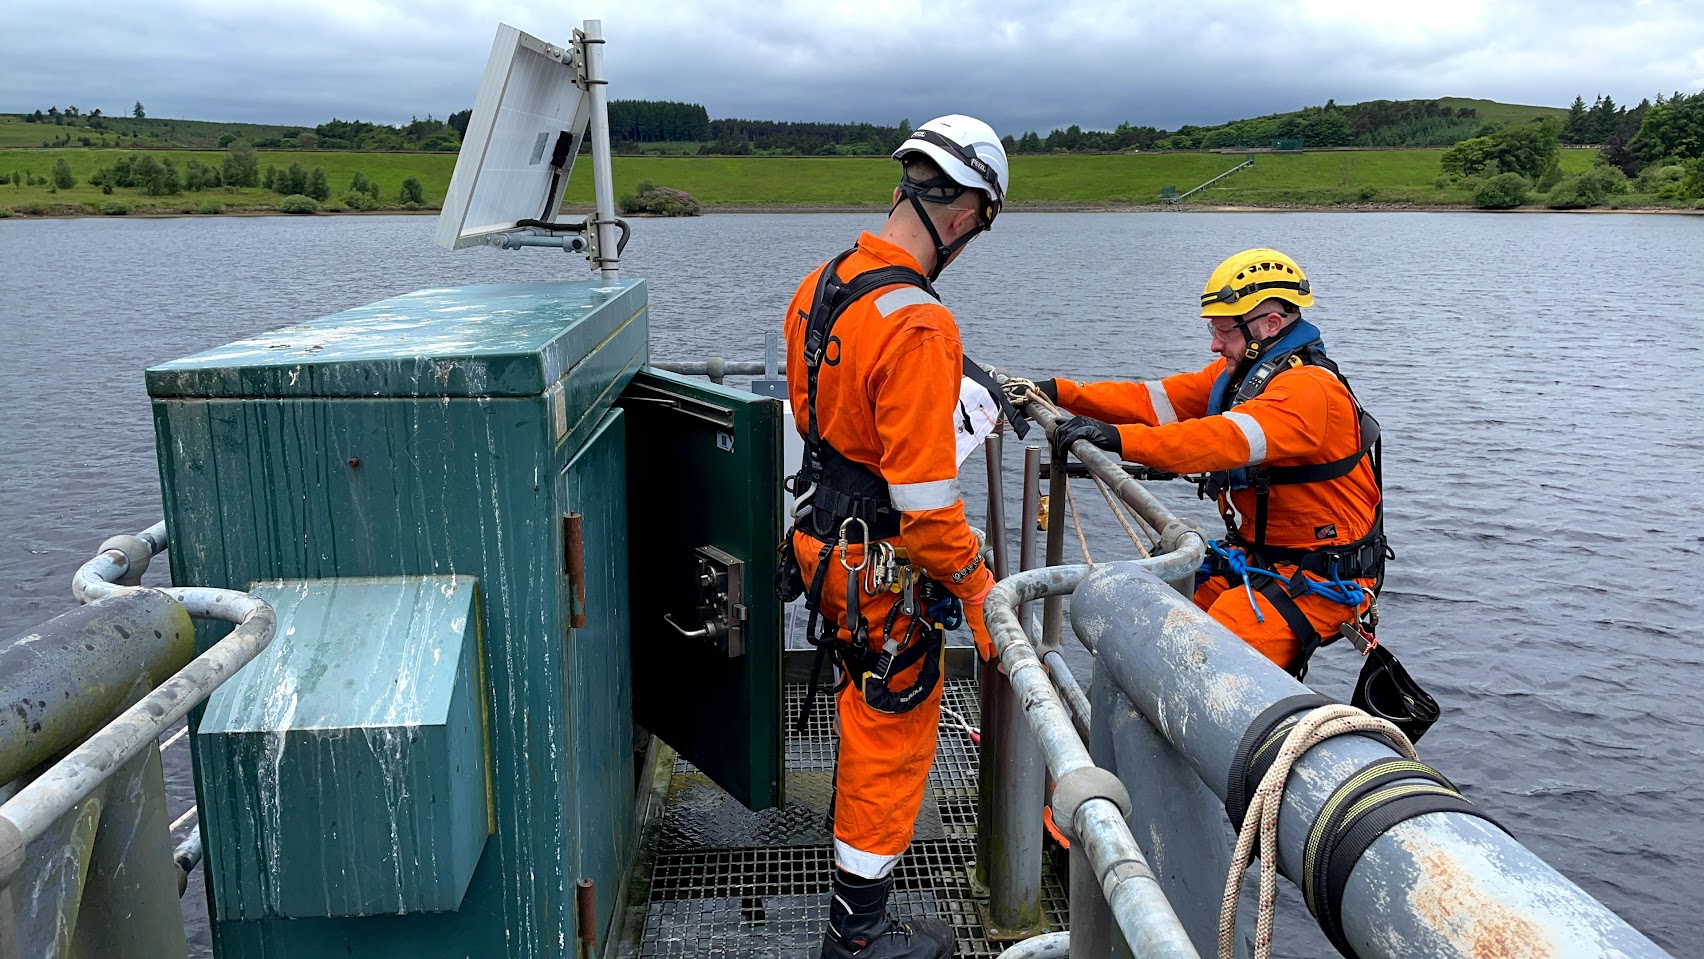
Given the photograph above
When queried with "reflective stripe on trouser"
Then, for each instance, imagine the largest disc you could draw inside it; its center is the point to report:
(884, 758)
(1227, 603)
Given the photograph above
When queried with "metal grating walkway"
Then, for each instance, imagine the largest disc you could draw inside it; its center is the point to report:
(727, 882)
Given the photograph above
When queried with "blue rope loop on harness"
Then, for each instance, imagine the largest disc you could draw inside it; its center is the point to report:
(1336, 589)
(948, 612)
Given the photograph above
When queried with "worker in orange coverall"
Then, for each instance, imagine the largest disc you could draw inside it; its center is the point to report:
(1289, 455)
(880, 546)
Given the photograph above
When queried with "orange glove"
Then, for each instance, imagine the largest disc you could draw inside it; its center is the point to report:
(979, 627)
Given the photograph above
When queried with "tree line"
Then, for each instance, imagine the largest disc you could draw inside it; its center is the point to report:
(1655, 149)
(634, 123)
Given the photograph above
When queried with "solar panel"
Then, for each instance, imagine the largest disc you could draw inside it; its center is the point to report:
(529, 120)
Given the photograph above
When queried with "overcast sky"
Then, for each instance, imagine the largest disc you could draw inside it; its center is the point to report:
(1018, 65)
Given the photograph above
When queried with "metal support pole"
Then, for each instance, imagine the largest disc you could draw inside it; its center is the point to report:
(1053, 608)
(1017, 772)
(1027, 515)
(603, 173)
(992, 691)
(994, 446)
(1438, 886)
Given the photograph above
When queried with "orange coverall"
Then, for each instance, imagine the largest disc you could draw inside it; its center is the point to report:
(1304, 416)
(886, 396)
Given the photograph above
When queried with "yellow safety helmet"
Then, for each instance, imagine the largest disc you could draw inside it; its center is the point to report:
(1242, 281)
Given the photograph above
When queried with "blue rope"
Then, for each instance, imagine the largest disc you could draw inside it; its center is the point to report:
(1336, 589)
(948, 612)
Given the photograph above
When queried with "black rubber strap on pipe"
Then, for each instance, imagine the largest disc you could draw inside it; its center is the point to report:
(1237, 791)
(1337, 808)
(1407, 801)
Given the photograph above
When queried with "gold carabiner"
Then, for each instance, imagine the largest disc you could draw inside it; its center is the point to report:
(845, 545)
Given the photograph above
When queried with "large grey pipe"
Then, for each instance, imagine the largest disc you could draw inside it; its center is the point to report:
(1438, 886)
(30, 812)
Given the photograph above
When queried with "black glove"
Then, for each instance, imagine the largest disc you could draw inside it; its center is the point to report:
(1049, 389)
(1103, 435)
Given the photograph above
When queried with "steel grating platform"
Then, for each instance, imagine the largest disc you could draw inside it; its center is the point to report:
(727, 882)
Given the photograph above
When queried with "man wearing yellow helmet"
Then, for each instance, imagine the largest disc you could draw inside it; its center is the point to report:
(1288, 454)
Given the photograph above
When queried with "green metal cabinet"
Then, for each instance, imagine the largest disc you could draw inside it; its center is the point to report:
(501, 445)
(444, 433)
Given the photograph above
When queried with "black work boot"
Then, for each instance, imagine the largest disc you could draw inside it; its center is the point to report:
(859, 926)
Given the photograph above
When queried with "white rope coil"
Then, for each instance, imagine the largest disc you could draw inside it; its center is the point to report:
(1314, 728)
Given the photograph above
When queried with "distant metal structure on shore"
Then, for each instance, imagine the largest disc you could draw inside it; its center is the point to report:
(1170, 194)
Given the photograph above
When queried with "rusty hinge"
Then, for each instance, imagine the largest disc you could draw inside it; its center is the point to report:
(574, 568)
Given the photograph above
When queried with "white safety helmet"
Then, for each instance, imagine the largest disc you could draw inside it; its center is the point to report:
(967, 150)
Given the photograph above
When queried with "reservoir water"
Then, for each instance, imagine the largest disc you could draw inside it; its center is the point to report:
(1537, 377)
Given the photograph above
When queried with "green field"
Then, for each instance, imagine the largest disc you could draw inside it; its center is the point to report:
(1326, 178)
(149, 133)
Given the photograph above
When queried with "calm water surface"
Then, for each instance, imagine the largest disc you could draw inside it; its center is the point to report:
(1537, 377)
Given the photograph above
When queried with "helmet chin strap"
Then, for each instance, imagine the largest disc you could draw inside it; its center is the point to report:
(1254, 348)
(943, 251)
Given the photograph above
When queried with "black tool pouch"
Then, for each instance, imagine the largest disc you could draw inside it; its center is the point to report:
(789, 578)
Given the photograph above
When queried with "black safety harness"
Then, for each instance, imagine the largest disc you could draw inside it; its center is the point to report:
(837, 496)
(1362, 559)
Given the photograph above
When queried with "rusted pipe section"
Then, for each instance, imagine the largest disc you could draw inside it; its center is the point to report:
(586, 910)
(1442, 885)
(1089, 804)
(187, 856)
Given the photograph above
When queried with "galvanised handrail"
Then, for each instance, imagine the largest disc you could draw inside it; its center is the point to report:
(43, 802)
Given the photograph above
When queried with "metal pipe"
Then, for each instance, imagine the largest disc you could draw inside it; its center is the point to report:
(1438, 885)
(35, 807)
(1053, 609)
(68, 676)
(1027, 513)
(603, 174)
(1138, 904)
(1060, 672)
(728, 367)
(586, 916)
(993, 445)
(1108, 468)
(1049, 945)
(1090, 916)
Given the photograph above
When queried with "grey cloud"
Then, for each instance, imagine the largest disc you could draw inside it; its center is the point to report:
(1019, 65)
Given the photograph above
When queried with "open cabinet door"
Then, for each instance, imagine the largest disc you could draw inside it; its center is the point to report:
(704, 517)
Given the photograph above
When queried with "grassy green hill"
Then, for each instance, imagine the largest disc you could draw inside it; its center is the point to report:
(151, 134)
(1061, 181)
(1494, 112)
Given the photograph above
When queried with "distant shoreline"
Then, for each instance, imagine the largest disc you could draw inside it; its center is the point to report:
(740, 210)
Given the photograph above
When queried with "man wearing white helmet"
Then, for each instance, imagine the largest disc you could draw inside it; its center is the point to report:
(874, 364)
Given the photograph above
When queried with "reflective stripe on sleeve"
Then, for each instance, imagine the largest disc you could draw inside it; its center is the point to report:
(1163, 412)
(1252, 432)
(911, 497)
(869, 865)
(889, 303)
